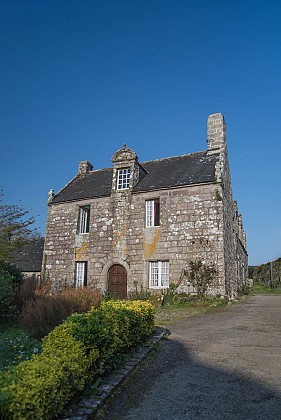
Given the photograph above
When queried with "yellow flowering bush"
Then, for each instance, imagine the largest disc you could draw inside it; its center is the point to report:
(40, 388)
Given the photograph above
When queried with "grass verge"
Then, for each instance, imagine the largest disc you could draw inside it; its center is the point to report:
(258, 289)
(166, 315)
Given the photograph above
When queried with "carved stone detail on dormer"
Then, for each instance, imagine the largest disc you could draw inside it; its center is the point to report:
(124, 155)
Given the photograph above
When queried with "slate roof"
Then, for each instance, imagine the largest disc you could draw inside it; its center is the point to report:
(31, 256)
(90, 185)
(195, 168)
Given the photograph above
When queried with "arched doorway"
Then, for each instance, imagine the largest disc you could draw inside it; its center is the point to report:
(117, 281)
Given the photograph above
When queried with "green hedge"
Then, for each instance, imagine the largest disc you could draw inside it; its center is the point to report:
(84, 345)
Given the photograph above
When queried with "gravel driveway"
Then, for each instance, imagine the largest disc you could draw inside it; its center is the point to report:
(223, 365)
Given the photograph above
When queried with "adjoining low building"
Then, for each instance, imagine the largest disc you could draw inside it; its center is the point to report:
(29, 259)
(137, 225)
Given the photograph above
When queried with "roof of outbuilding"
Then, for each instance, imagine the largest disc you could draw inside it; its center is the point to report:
(30, 257)
(195, 168)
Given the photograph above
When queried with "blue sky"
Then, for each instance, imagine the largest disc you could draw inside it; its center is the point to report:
(80, 78)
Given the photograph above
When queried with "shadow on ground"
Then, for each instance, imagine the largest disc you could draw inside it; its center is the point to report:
(173, 384)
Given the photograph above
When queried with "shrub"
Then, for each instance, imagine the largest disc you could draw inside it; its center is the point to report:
(200, 276)
(182, 298)
(156, 300)
(41, 387)
(43, 313)
(114, 328)
(25, 292)
(7, 308)
(80, 300)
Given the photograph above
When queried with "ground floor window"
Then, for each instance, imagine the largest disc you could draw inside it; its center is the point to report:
(158, 274)
(81, 274)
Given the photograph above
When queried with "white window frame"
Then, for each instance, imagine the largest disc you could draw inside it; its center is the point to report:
(80, 274)
(123, 179)
(150, 212)
(84, 216)
(159, 274)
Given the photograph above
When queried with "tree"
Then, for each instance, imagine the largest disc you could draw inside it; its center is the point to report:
(7, 307)
(11, 270)
(200, 276)
(15, 230)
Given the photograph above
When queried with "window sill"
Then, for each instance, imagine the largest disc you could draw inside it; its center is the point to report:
(149, 227)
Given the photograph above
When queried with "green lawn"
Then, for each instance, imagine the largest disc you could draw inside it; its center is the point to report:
(15, 345)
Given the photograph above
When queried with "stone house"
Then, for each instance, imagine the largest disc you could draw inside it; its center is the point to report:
(137, 225)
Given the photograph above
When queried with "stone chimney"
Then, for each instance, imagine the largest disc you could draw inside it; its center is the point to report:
(84, 167)
(216, 132)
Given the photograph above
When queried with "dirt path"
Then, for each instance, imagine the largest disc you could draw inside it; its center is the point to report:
(225, 365)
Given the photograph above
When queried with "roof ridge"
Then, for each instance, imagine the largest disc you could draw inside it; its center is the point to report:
(101, 169)
(173, 157)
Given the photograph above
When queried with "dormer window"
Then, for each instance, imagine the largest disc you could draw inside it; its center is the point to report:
(123, 180)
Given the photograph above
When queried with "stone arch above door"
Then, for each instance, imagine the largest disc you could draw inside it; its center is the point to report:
(117, 281)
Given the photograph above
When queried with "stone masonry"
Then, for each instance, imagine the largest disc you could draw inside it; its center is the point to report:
(199, 220)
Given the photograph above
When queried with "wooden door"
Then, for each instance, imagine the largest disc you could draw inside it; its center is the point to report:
(117, 281)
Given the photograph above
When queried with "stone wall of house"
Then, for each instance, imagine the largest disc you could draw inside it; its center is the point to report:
(59, 248)
(235, 255)
(32, 274)
(191, 228)
(241, 253)
(231, 277)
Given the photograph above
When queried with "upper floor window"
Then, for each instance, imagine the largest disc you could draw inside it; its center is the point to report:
(123, 178)
(152, 212)
(81, 274)
(159, 274)
(84, 219)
